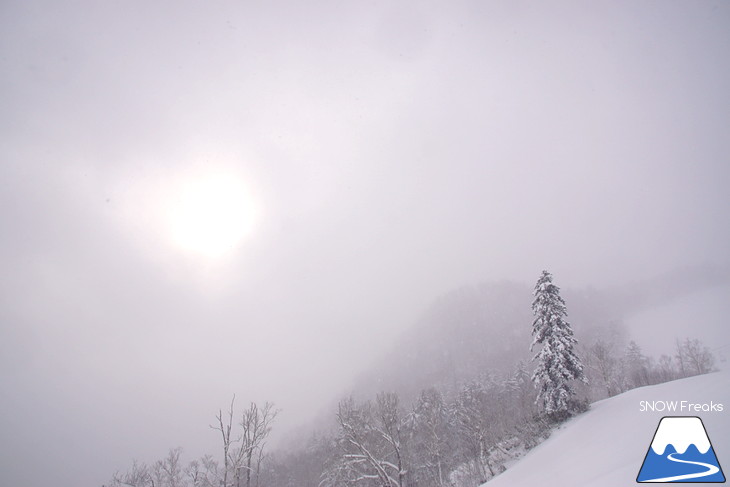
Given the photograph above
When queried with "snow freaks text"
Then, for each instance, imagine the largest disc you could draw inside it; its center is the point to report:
(680, 407)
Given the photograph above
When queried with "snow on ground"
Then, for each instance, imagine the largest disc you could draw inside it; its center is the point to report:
(605, 447)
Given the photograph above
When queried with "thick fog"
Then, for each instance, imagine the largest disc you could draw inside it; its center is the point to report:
(377, 156)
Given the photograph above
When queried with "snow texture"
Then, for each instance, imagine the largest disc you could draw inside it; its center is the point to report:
(606, 446)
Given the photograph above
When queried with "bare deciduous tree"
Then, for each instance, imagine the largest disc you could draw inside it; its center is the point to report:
(474, 424)
(390, 426)
(371, 443)
(603, 363)
(137, 476)
(694, 357)
(172, 468)
(430, 446)
(244, 453)
(256, 426)
(203, 472)
(225, 426)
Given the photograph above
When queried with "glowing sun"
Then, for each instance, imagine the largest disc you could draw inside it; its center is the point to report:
(211, 215)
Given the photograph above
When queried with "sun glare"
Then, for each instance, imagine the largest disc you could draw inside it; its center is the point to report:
(212, 215)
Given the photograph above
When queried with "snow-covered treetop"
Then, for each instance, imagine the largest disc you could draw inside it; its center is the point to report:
(549, 310)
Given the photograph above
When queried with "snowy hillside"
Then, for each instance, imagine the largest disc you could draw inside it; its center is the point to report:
(605, 447)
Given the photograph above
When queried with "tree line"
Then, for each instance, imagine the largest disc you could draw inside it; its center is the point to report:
(448, 436)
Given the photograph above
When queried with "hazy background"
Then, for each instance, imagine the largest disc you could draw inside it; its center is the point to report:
(393, 152)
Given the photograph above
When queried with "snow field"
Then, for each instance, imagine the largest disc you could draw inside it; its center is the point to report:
(605, 446)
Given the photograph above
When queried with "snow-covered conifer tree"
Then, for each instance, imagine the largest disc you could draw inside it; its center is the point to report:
(557, 364)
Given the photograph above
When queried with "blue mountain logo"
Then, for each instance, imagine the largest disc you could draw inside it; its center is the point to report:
(681, 452)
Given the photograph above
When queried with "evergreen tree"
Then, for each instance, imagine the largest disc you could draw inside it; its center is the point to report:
(557, 364)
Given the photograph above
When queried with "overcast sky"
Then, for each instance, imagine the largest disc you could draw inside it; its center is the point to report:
(388, 153)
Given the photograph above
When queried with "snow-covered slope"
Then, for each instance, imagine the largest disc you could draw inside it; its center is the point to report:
(606, 446)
